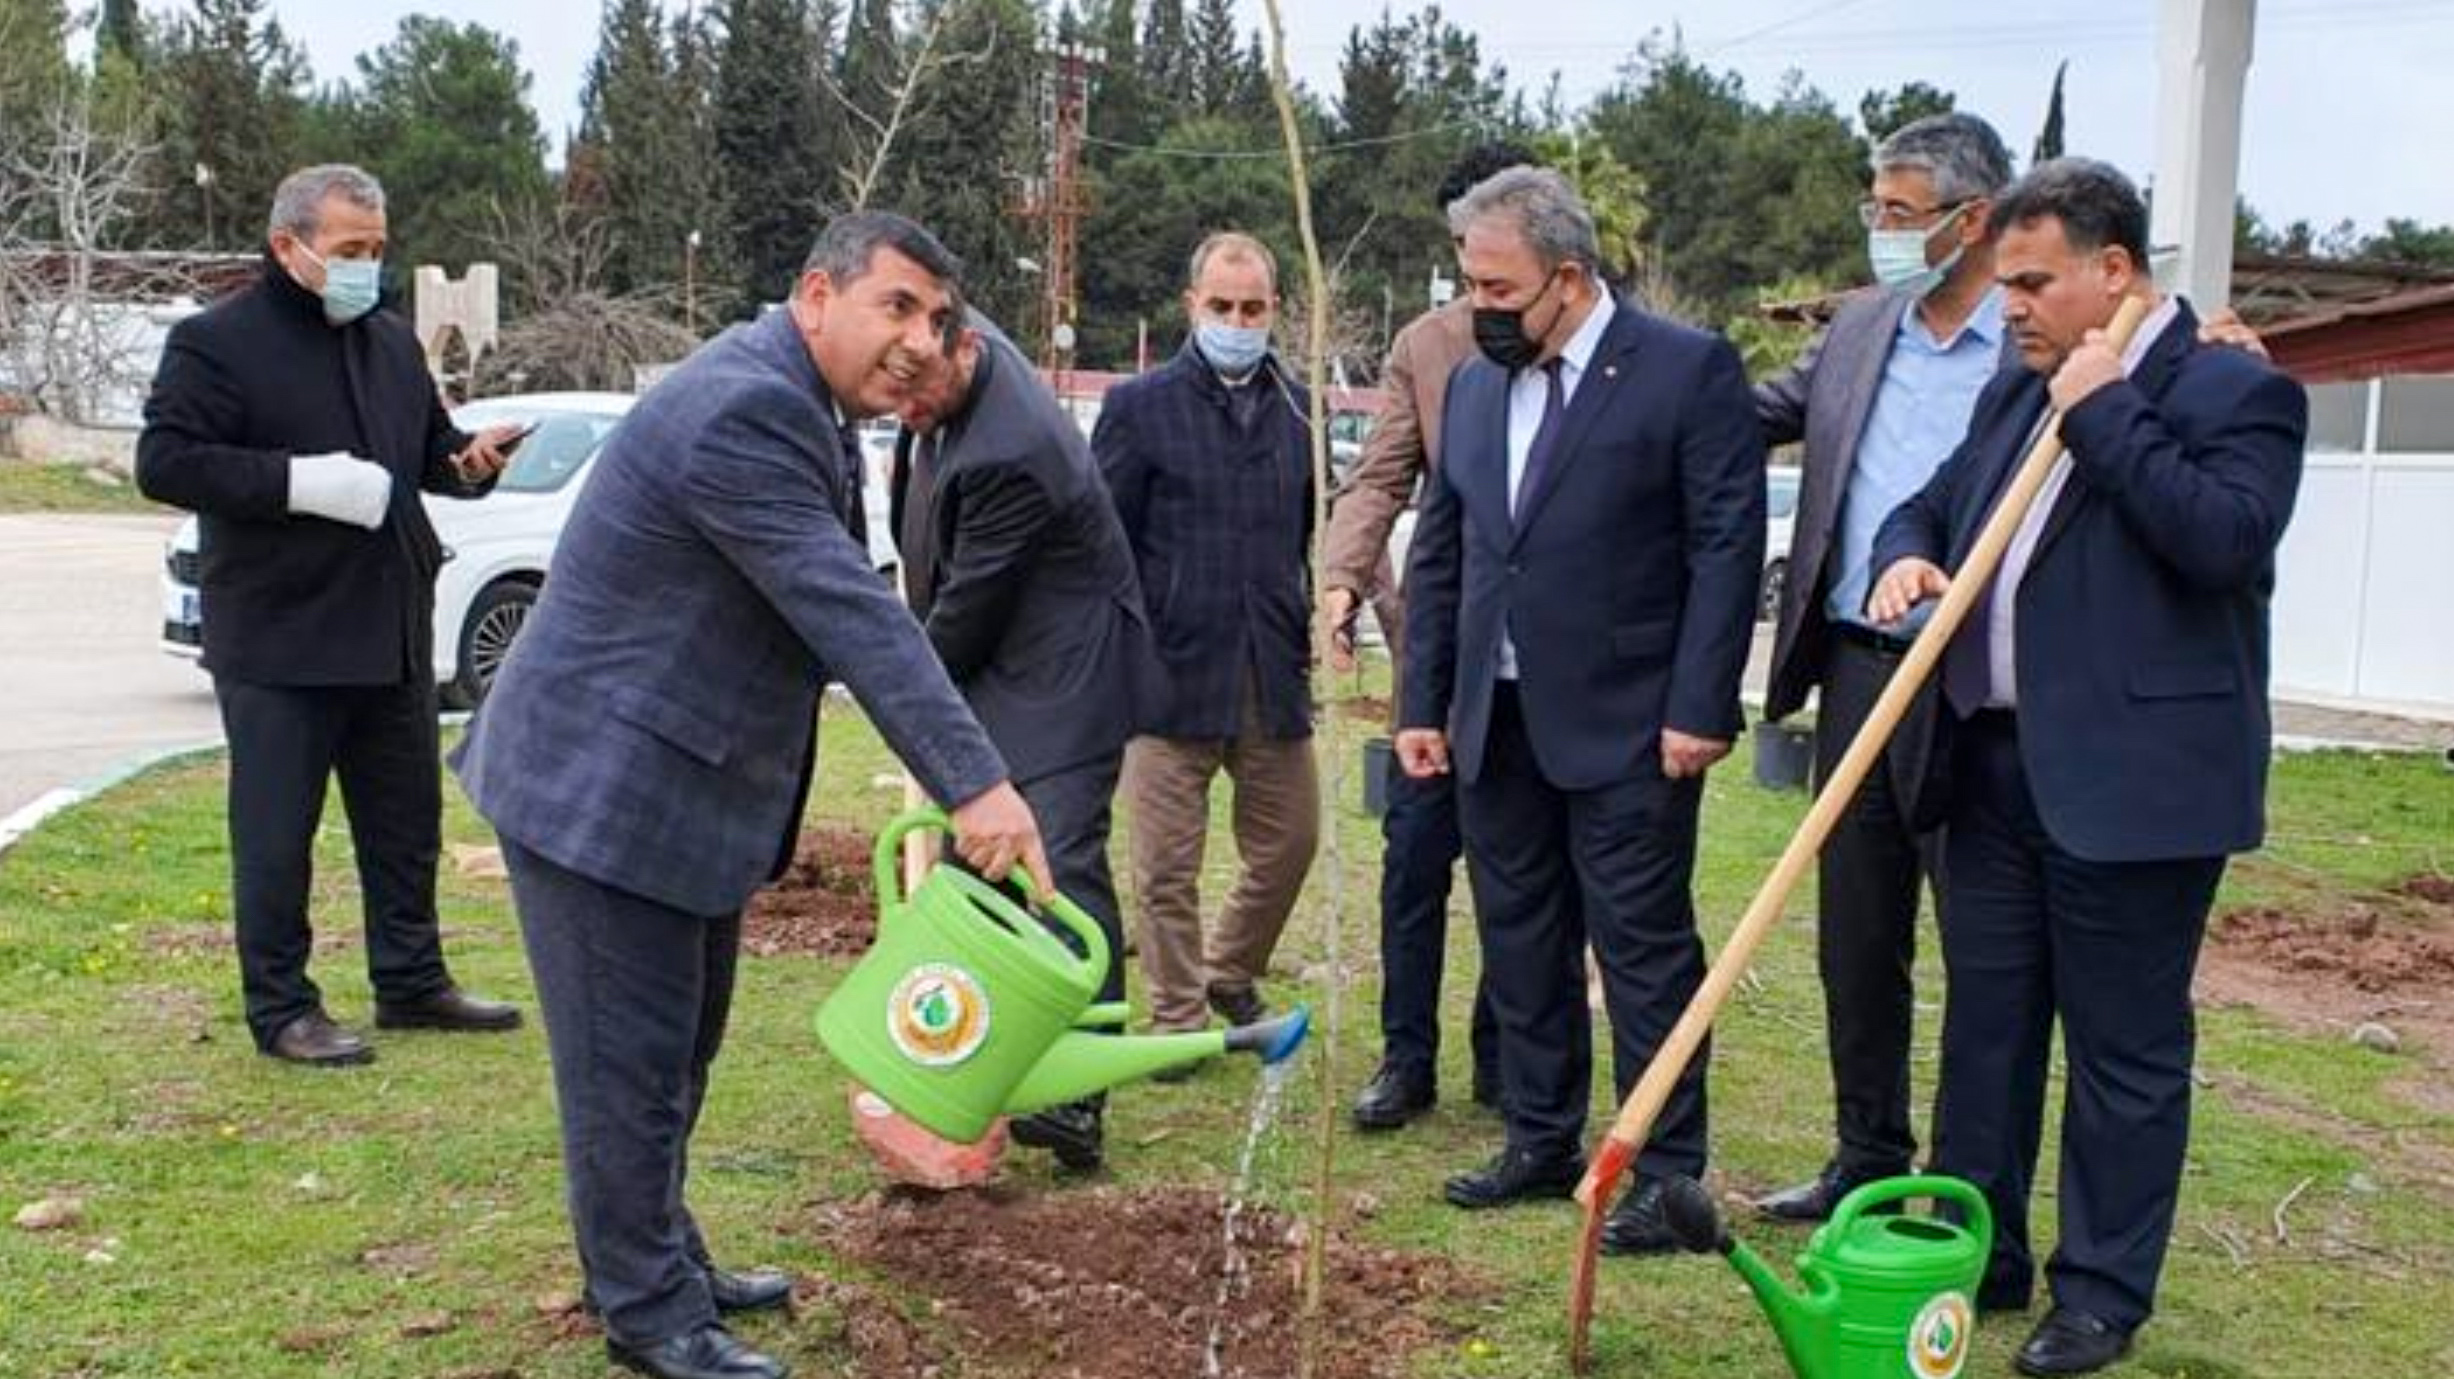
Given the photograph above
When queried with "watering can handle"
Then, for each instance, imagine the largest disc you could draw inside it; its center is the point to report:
(1065, 912)
(1940, 1187)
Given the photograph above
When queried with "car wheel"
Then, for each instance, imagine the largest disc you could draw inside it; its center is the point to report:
(1768, 599)
(494, 622)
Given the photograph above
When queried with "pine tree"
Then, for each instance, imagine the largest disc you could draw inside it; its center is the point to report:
(637, 136)
(444, 122)
(1214, 58)
(1166, 64)
(232, 89)
(773, 151)
(1120, 101)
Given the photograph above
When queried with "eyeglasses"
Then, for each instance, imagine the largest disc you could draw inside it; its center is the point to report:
(1893, 215)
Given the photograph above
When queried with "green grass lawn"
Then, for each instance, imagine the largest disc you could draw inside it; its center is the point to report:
(33, 487)
(243, 1218)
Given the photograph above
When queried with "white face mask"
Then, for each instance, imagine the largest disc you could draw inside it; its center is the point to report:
(1898, 257)
(352, 287)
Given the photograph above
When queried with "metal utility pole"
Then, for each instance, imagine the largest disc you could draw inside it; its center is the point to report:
(1056, 197)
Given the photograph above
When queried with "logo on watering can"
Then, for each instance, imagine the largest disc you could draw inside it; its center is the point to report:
(938, 1015)
(1938, 1339)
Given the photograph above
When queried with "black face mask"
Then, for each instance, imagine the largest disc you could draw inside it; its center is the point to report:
(1500, 334)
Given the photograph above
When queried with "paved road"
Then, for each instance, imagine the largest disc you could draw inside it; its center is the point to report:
(87, 689)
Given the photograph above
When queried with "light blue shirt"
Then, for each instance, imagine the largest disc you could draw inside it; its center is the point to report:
(1921, 412)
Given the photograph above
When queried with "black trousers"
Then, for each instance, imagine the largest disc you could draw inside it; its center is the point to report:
(1074, 808)
(1421, 843)
(2035, 935)
(1866, 920)
(1551, 867)
(635, 996)
(285, 743)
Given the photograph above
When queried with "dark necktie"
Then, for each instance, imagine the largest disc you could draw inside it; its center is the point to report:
(1546, 439)
(1968, 662)
(851, 490)
(920, 524)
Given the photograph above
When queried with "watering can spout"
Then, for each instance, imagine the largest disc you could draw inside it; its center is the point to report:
(1802, 1321)
(1079, 1064)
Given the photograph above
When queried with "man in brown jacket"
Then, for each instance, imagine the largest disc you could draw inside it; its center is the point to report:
(1419, 829)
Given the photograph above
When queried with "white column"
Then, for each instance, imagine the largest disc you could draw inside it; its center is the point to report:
(2203, 63)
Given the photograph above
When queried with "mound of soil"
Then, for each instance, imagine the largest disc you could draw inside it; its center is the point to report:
(1115, 1284)
(826, 904)
(2353, 947)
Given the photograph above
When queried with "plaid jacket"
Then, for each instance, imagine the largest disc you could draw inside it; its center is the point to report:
(1220, 516)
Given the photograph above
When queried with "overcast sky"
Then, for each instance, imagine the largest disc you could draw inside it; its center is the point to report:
(2350, 110)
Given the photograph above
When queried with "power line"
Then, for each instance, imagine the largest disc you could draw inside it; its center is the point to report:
(1340, 146)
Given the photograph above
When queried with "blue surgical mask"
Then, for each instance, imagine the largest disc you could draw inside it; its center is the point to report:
(1899, 257)
(1232, 350)
(351, 286)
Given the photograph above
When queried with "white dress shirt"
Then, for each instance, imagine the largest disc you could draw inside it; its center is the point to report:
(2002, 643)
(1528, 391)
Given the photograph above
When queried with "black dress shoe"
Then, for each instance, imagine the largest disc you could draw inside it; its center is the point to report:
(448, 1009)
(750, 1290)
(313, 1039)
(1238, 1004)
(1395, 1095)
(1637, 1225)
(711, 1352)
(1816, 1199)
(1072, 1132)
(2070, 1341)
(1517, 1175)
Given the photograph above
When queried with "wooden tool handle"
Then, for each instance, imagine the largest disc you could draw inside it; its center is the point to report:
(1971, 582)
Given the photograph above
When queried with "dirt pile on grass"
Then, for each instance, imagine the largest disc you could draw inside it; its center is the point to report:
(1114, 1284)
(826, 904)
(2357, 947)
(2386, 963)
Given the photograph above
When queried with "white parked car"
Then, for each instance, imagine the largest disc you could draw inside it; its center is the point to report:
(1780, 520)
(496, 548)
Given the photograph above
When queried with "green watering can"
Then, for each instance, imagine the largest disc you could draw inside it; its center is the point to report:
(967, 1007)
(1888, 1296)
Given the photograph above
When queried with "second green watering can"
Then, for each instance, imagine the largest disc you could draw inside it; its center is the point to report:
(1888, 1295)
(967, 1007)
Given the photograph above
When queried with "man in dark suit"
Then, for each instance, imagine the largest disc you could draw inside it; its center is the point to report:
(1581, 594)
(1017, 568)
(1209, 460)
(299, 423)
(1880, 398)
(647, 748)
(2107, 733)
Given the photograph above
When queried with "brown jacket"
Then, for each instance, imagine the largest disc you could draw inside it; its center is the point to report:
(1404, 442)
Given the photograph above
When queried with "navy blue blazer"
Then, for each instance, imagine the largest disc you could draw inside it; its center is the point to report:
(2142, 619)
(1219, 512)
(654, 726)
(1627, 581)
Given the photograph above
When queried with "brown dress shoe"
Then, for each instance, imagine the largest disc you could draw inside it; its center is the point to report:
(313, 1039)
(448, 1009)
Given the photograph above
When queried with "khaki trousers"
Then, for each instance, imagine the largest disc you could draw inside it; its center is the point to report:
(1276, 811)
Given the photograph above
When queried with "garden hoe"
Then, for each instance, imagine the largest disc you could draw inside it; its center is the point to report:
(1635, 1122)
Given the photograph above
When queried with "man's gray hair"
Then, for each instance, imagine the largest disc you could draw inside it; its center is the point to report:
(1962, 153)
(298, 203)
(1545, 209)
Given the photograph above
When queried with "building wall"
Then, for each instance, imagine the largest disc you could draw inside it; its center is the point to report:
(2364, 600)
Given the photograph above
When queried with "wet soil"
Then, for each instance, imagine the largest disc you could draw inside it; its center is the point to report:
(825, 905)
(1116, 1284)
